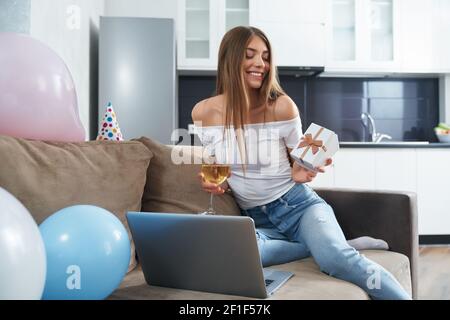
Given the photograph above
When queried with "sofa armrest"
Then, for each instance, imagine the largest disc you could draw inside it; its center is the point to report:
(388, 215)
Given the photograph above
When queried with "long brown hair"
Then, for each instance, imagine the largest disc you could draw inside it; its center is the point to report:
(231, 83)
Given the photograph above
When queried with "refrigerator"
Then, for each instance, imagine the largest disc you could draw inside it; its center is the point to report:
(137, 75)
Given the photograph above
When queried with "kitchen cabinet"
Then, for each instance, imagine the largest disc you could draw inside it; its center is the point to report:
(354, 169)
(433, 176)
(395, 169)
(196, 29)
(441, 35)
(296, 29)
(363, 36)
(233, 13)
(417, 35)
(376, 169)
(350, 169)
(201, 26)
(324, 180)
(302, 11)
(345, 36)
(423, 171)
(425, 29)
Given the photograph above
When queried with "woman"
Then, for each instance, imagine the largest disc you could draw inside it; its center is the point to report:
(251, 112)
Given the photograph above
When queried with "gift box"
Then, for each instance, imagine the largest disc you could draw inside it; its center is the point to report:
(317, 145)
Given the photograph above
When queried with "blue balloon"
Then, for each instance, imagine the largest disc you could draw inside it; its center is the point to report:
(88, 252)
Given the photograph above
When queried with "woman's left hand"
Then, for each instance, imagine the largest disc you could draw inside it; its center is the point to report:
(302, 175)
(328, 162)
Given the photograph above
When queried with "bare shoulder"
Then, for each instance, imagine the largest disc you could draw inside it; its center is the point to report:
(285, 109)
(209, 111)
(199, 110)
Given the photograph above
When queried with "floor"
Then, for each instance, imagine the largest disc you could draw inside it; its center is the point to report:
(434, 272)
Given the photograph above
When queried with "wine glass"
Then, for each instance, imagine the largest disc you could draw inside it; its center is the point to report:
(217, 174)
(213, 172)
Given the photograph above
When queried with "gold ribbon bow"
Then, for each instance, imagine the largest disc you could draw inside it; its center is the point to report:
(312, 143)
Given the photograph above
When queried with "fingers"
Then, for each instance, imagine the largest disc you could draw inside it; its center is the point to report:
(216, 191)
(328, 162)
(310, 177)
(201, 178)
(210, 187)
(320, 169)
(312, 174)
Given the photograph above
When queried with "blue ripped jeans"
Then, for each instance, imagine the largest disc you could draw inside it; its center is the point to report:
(301, 224)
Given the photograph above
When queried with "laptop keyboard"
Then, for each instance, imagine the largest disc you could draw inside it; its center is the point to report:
(268, 282)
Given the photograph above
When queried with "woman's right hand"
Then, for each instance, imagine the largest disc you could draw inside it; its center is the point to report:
(212, 187)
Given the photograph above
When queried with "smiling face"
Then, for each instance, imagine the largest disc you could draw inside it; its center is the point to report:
(256, 64)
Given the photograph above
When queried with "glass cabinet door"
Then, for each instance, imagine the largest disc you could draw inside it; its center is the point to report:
(236, 13)
(202, 24)
(343, 29)
(381, 30)
(197, 29)
(364, 35)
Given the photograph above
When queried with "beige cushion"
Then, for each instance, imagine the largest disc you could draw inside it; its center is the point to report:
(49, 176)
(175, 188)
(307, 284)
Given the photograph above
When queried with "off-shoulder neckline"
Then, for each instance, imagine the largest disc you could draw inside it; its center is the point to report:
(257, 123)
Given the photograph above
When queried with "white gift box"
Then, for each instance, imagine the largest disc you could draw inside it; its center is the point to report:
(317, 145)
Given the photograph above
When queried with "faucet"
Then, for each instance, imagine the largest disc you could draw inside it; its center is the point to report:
(376, 137)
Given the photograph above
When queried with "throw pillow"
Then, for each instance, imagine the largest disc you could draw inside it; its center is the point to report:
(49, 176)
(175, 188)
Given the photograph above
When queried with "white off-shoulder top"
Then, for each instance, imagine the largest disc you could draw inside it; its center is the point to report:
(267, 174)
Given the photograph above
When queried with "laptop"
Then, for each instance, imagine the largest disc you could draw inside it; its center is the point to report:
(208, 253)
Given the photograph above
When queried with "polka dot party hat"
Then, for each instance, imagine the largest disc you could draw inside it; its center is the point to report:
(109, 128)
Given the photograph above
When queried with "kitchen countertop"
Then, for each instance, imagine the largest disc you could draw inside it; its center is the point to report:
(395, 144)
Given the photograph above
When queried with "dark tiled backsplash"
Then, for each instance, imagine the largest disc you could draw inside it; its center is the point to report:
(406, 109)
(327, 106)
(396, 108)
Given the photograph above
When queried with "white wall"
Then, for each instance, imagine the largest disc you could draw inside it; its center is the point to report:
(15, 16)
(141, 8)
(67, 27)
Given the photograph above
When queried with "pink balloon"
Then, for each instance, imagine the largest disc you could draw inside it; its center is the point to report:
(37, 94)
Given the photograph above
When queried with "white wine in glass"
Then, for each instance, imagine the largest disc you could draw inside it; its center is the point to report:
(217, 174)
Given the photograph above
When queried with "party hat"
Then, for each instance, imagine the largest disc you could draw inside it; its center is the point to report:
(109, 128)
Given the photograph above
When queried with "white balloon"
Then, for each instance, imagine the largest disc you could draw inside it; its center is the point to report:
(22, 252)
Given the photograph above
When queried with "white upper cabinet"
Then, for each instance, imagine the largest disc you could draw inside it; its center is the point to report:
(295, 28)
(425, 31)
(232, 13)
(417, 35)
(441, 36)
(201, 26)
(236, 13)
(345, 36)
(290, 11)
(363, 36)
(197, 25)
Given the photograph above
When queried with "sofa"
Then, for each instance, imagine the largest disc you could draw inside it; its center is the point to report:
(143, 175)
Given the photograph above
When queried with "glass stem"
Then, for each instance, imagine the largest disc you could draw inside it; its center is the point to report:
(211, 209)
